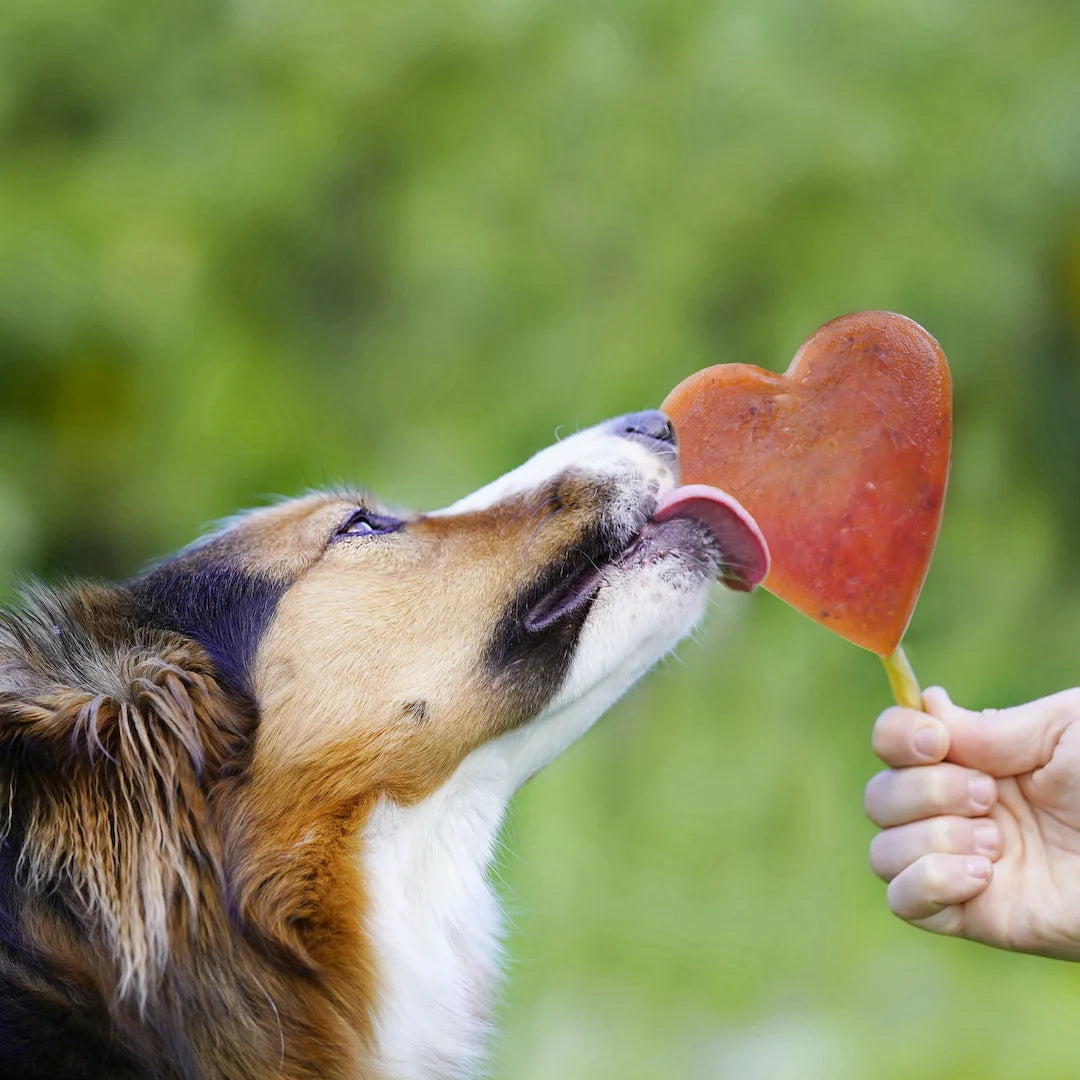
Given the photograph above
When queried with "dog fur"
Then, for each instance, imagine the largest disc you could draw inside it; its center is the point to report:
(248, 800)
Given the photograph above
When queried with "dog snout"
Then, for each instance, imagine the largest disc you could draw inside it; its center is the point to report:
(650, 427)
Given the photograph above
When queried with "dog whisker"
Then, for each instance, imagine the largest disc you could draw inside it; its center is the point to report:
(532, 536)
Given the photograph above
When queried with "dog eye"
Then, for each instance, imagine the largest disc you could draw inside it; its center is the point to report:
(365, 523)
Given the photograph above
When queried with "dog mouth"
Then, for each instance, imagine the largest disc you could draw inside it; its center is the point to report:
(703, 527)
(741, 551)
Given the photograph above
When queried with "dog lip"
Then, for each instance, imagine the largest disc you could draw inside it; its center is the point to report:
(571, 585)
(571, 594)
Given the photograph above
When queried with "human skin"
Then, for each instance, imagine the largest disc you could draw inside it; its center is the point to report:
(980, 821)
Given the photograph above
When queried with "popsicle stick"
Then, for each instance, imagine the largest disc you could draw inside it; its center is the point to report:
(905, 687)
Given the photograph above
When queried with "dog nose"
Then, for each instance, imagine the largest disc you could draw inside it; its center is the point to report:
(650, 425)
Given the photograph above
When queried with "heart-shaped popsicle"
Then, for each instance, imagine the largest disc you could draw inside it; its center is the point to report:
(842, 461)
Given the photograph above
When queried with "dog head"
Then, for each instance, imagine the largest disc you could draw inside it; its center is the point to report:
(392, 644)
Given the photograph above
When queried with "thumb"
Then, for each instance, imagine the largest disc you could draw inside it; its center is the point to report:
(1004, 742)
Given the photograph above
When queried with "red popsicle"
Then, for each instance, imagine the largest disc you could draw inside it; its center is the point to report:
(842, 461)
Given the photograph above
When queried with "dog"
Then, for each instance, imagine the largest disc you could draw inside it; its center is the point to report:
(248, 799)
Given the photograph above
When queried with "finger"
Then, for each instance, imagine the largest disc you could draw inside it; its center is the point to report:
(894, 850)
(902, 795)
(938, 881)
(1004, 742)
(909, 737)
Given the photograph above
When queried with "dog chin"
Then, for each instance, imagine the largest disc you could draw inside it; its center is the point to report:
(645, 606)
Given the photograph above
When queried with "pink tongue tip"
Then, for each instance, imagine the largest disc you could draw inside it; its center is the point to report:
(744, 555)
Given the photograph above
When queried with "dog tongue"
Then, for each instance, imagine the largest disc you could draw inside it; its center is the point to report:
(744, 554)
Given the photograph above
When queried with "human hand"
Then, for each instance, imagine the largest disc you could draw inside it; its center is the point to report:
(980, 820)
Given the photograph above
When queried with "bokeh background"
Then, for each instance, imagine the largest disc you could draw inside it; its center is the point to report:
(251, 247)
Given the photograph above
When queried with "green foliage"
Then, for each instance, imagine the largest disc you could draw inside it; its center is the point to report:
(252, 247)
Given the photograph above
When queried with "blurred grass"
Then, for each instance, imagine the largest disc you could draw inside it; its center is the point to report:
(247, 248)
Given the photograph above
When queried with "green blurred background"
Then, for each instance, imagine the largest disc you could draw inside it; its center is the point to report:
(252, 247)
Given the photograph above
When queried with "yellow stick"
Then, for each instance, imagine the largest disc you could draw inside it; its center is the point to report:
(905, 687)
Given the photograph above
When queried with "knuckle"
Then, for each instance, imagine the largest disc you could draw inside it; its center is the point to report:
(880, 851)
(1067, 704)
(874, 797)
(944, 834)
(939, 785)
(896, 897)
(934, 876)
(1070, 698)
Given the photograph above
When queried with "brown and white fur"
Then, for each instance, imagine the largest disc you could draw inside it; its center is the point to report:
(248, 801)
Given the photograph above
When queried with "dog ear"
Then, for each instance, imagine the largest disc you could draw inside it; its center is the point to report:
(110, 741)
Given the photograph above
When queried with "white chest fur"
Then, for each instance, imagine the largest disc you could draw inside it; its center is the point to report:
(435, 927)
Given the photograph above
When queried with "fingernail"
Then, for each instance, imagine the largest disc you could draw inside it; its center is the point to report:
(981, 790)
(979, 869)
(987, 837)
(927, 741)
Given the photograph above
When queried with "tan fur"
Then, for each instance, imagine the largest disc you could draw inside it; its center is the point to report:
(372, 611)
(285, 539)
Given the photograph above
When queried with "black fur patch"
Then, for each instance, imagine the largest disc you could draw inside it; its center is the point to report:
(532, 664)
(205, 596)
